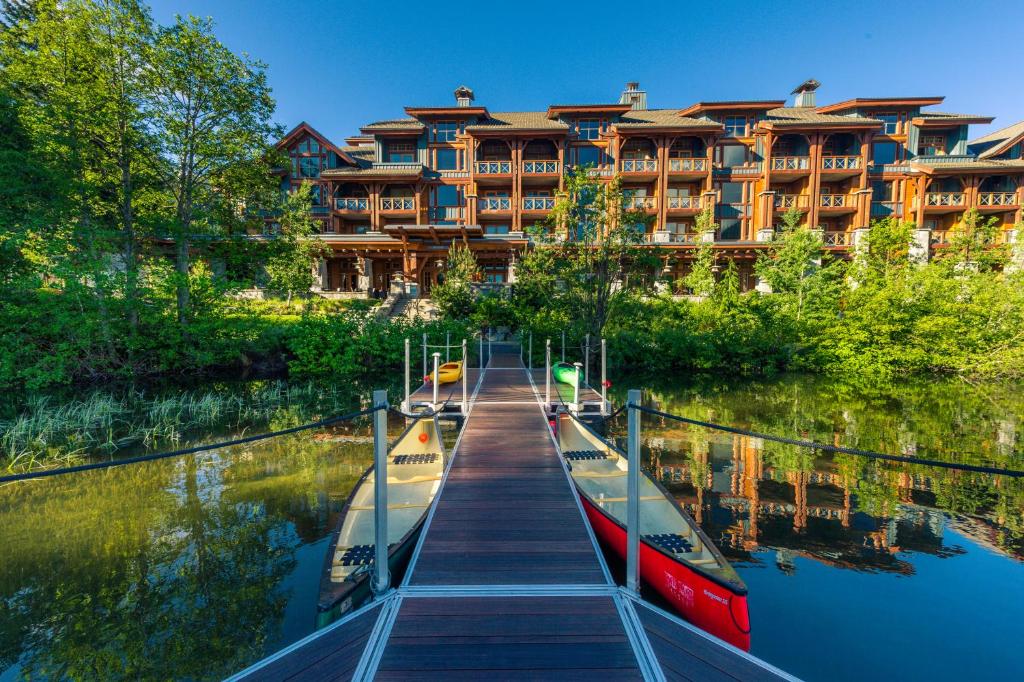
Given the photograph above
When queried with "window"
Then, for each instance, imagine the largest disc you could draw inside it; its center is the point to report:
(589, 128)
(679, 191)
(733, 155)
(730, 229)
(447, 195)
(309, 166)
(401, 152)
(360, 229)
(677, 228)
(445, 131)
(496, 229)
(494, 274)
(883, 153)
(589, 155)
(881, 191)
(735, 126)
(891, 122)
(447, 159)
(1015, 151)
(314, 195)
(732, 193)
(931, 145)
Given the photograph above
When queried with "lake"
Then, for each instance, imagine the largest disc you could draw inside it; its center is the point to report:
(197, 566)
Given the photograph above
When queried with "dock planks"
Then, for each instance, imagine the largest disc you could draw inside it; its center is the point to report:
(507, 582)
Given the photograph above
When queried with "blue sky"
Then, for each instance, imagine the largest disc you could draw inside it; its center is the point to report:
(338, 65)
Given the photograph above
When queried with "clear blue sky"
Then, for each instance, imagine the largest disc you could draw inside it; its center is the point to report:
(341, 64)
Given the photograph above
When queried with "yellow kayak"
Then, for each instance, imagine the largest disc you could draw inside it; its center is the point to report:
(449, 372)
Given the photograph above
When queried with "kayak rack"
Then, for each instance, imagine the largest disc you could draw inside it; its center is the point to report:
(506, 579)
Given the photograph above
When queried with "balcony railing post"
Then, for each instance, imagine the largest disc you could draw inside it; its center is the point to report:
(381, 574)
(633, 494)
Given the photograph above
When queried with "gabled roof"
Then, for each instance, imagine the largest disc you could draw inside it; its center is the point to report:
(739, 105)
(805, 117)
(516, 120)
(305, 129)
(556, 110)
(664, 119)
(995, 143)
(875, 102)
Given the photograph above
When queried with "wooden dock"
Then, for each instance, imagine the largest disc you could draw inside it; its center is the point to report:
(507, 581)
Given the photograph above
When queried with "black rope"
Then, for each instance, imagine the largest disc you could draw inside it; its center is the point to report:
(832, 448)
(187, 451)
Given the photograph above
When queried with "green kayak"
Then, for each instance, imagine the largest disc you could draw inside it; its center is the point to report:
(565, 373)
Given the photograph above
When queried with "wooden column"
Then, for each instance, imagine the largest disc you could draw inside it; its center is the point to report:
(709, 182)
(663, 145)
(814, 183)
(374, 192)
(922, 184)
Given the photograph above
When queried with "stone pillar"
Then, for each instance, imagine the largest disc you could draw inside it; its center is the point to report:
(707, 236)
(920, 246)
(320, 282)
(762, 287)
(765, 234)
(512, 270)
(365, 266)
(1016, 263)
(860, 238)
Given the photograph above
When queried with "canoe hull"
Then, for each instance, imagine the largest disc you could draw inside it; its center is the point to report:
(565, 374)
(707, 604)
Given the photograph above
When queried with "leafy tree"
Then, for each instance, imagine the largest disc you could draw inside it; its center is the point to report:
(792, 260)
(974, 243)
(454, 294)
(294, 249)
(701, 278)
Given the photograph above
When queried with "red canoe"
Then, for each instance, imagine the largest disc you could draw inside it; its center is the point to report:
(676, 558)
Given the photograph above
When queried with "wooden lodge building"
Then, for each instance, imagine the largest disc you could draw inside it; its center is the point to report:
(392, 199)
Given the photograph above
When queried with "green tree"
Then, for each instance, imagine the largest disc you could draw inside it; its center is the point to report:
(974, 243)
(791, 261)
(701, 278)
(454, 294)
(294, 249)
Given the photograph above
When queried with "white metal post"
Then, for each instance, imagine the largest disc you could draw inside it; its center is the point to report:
(576, 388)
(406, 406)
(465, 379)
(437, 379)
(381, 575)
(633, 495)
(586, 361)
(604, 377)
(424, 354)
(563, 345)
(531, 353)
(547, 374)
(481, 350)
(489, 351)
(447, 345)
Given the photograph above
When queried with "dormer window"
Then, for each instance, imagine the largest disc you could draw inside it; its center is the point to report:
(445, 131)
(735, 126)
(590, 128)
(401, 152)
(890, 122)
(931, 145)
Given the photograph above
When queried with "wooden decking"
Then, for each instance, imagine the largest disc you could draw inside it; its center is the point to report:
(507, 581)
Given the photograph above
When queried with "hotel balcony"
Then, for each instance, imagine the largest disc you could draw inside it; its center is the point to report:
(666, 237)
(942, 202)
(352, 204)
(640, 203)
(397, 205)
(493, 169)
(796, 165)
(997, 201)
(687, 168)
(837, 167)
(540, 168)
(836, 203)
(837, 238)
(784, 202)
(494, 204)
(534, 204)
(639, 166)
(683, 205)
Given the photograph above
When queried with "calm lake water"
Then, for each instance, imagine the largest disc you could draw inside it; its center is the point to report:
(196, 567)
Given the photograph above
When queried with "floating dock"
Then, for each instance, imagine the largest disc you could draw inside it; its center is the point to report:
(507, 580)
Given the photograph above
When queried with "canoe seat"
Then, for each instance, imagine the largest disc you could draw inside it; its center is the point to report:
(359, 555)
(585, 454)
(428, 458)
(673, 542)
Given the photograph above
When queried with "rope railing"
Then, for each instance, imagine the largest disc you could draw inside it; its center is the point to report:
(46, 473)
(826, 447)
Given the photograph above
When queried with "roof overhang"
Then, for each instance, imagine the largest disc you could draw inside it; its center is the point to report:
(357, 174)
(556, 110)
(484, 131)
(359, 140)
(305, 129)
(740, 105)
(711, 127)
(980, 167)
(876, 102)
(431, 230)
(947, 121)
(788, 126)
(393, 131)
(448, 112)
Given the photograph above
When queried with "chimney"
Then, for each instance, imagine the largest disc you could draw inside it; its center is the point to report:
(805, 93)
(634, 96)
(463, 96)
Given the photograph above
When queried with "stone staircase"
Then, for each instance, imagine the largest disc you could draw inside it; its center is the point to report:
(403, 306)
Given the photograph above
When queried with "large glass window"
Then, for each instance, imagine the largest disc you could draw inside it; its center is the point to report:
(309, 166)
(930, 145)
(891, 123)
(447, 159)
(589, 155)
(732, 193)
(447, 195)
(496, 229)
(401, 152)
(883, 153)
(589, 128)
(735, 126)
(730, 229)
(445, 131)
(733, 155)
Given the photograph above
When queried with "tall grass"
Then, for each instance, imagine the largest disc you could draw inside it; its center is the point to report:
(46, 431)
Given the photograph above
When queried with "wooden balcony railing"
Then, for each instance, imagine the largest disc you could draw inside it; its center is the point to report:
(666, 237)
(837, 238)
(639, 165)
(352, 204)
(639, 203)
(791, 163)
(494, 167)
(684, 202)
(397, 204)
(538, 203)
(540, 167)
(832, 200)
(495, 204)
(787, 201)
(840, 162)
(687, 165)
(997, 199)
(944, 199)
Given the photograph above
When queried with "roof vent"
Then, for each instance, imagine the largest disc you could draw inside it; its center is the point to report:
(463, 96)
(805, 93)
(634, 96)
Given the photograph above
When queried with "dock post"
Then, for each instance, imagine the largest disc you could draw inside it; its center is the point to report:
(381, 575)
(531, 353)
(547, 376)
(633, 494)
(489, 351)
(465, 402)
(586, 361)
(406, 407)
(604, 377)
(563, 345)
(424, 355)
(481, 350)
(437, 378)
(447, 345)
(576, 389)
